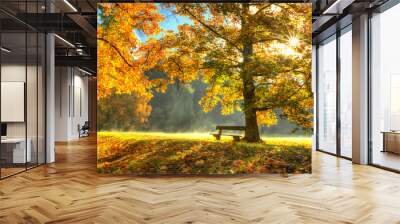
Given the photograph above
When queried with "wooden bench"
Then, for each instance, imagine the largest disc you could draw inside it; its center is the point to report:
(236, 136)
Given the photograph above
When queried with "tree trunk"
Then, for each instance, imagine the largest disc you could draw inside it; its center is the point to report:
(251, 132)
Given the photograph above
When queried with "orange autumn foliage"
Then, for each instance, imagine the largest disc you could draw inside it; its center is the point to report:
(122, 58)
(275, 73)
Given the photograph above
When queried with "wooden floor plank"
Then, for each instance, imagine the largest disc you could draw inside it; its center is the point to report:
(71, 191)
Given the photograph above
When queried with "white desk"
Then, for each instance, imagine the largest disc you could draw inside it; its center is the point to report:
(19, 155)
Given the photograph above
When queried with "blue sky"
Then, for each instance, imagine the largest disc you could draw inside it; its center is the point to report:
(171, 22)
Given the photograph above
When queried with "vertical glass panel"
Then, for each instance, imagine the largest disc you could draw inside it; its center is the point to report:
(32, 86)
(346, 94)
(13, 87)
(22, 88)
(32, 98)
(314, 84)
(41, 99)
(385, 87)
(327, 96)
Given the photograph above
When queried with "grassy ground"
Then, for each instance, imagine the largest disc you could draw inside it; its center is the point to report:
(199, 153)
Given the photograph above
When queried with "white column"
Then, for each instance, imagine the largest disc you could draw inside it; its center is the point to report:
(63, 76)
(360, 90)
(50, 99)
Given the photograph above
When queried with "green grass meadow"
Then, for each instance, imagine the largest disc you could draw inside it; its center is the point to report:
(146, 153)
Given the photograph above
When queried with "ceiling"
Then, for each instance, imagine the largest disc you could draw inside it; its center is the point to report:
(73, 21)
(332, 15)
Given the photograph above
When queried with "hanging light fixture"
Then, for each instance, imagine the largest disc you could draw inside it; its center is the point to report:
(70, 5)
(5, 50)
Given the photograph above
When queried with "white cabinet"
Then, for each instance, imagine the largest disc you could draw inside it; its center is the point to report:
(19, 154)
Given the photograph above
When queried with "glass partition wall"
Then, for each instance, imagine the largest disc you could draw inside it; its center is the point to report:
(13, 89)
(22, 89)
(334, 93)
(385, 89)
(345, 62)
(334, 106)
(327, 95)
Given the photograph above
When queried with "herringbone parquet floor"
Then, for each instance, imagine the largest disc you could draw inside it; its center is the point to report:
(70, 191)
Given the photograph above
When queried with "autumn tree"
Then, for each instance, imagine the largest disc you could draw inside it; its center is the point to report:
(256, 58)
(122, 59)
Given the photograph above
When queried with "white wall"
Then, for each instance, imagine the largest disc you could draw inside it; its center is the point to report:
(80, 110)
(16, 73)
(71, 102)
(62, 81)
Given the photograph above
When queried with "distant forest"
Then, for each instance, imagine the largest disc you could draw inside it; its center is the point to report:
(176, 110)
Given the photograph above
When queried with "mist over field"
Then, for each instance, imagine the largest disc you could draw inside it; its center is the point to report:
(177, 110)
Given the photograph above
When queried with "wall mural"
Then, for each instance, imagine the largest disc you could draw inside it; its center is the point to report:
(204, 88)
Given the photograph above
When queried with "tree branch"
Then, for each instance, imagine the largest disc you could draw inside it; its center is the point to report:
(287, 98)
(178, 65)
(267, 40)
(275, 73)
(116, 49)
(260, 10)
(263, 108)
(211, 29)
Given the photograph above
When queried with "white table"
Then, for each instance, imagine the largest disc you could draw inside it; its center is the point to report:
(19, 155)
